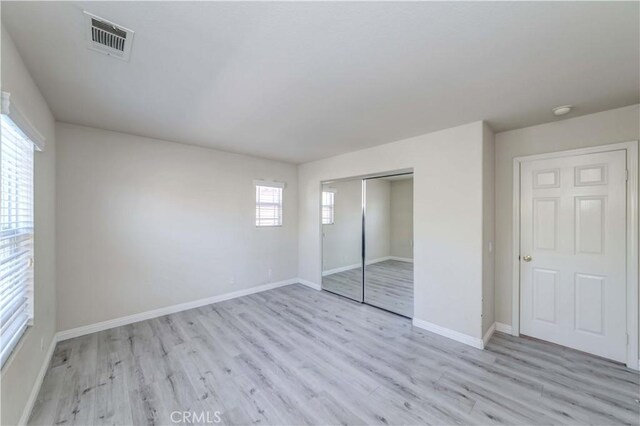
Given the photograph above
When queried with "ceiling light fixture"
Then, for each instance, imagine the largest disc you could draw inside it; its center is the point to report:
(562, 110)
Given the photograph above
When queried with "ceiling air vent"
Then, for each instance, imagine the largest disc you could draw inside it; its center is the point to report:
(107, 37)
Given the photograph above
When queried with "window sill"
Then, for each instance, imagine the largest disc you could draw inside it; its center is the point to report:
(17, 349)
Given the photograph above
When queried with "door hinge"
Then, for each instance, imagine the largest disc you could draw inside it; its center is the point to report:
(627, 175)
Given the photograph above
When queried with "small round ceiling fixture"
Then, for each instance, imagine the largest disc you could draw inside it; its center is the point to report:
(562, 110)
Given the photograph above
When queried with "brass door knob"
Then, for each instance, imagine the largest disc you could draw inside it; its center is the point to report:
(526, 258)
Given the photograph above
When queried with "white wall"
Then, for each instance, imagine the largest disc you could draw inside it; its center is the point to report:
(617, 125)
(402, 218)
(342, 242)
(20, 371)
(448, 210)
(488, 229)
(144, 224)
(377, 220)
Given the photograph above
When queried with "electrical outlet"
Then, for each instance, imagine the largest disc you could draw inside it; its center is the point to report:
(270, 273)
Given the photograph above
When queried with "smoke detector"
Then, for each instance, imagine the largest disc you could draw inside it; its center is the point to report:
(108, 37)
(562, 110)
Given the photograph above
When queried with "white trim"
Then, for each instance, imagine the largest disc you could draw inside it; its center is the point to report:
(35, 390)
(401, 259)
(451, 334)
(9, 107)
(515, 251)
(269, 183)
(487, 335)
(320, 234)
(378, 260)
(309, 284)
(503, 328)
(340, 269)
(632, 238)
(632, 255)
(369, 262)
(142, 316)
(5, 103)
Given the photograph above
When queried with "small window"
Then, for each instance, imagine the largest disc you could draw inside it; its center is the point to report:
(16, 235)
(328, 207)
(269, 203)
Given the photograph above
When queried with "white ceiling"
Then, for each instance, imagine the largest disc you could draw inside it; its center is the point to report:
(303, 81)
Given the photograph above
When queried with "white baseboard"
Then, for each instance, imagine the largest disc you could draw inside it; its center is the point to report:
(368, 262)
(340, 269)
(80, 331)
(130, 319)
(309, 284)
(503, 328)
(451, 334)
(487, 335)
(35, 390)
(378, 260)
(401, 259)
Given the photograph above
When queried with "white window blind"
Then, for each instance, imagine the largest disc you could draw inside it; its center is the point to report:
(328, 207)
(269, 203)
(16, 235)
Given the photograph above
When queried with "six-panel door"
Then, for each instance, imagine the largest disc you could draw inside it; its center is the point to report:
(573, 289)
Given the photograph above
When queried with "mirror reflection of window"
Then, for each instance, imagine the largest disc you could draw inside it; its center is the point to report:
(328, 207)
(341, 204)
(388, 276)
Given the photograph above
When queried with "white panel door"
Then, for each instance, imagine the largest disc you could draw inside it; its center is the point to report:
(573, 241)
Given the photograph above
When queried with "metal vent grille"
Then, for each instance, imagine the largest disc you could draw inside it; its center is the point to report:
(107, 37)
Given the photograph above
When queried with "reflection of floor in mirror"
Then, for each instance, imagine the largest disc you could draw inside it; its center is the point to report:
(346, 283)
(389, 285)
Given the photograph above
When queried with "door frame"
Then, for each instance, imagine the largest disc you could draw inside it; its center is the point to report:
(632, 238)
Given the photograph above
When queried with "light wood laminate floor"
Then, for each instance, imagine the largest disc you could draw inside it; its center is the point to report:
(346, 283)
(388, 285)
(298, 356)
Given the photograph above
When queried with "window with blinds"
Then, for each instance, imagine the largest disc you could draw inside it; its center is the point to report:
(269, 204)
(328, 207)
(16, 235)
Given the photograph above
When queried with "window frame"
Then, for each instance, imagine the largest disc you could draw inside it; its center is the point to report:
(330, 206)
(19, 236)
(278, 207)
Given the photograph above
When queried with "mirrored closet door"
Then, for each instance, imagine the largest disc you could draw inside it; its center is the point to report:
(342, 238)
(369, 222)
(388, 225)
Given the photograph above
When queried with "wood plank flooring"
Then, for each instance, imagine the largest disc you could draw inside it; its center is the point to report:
(388, 285)
(346, 283)
(294, 356)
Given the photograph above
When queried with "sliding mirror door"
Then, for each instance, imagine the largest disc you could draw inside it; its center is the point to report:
(388, 278)
(342, 238)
